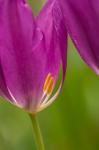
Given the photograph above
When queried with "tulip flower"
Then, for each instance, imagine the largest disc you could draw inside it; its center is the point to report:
(32, 50)
(82, 22)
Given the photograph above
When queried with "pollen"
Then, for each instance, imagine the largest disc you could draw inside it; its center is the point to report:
(48, 85)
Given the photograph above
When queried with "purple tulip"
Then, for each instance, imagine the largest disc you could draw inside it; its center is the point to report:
(32, 50)
(82, 21)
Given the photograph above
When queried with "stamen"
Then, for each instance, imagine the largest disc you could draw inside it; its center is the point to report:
(47, 81)
(48, 85)
(47, 88)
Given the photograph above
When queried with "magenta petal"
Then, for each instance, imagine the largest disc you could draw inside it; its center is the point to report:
(16, 54)
(82, 21)
(61, 35)
(51, 22)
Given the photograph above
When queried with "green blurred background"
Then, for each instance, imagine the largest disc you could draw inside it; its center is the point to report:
(71, 123)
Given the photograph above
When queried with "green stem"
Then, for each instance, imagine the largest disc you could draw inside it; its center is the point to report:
(37, 132)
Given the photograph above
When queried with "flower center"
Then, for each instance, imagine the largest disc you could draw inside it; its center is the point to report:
(47, 88)
(48, 85)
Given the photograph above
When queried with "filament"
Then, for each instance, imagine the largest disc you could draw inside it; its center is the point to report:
(47, 88)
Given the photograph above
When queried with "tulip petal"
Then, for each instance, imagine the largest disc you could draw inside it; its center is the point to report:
(82, 21)
(17, 32)
(51, 22)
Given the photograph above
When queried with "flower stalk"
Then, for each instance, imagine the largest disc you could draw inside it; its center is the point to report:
(37, 132)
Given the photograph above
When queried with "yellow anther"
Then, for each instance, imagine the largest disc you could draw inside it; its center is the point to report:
(48, 85)
(47, 81)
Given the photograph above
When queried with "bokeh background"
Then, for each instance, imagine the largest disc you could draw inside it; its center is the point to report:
(71, 123)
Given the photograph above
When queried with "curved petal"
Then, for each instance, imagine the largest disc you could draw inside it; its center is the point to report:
(17, 38)
(82, 21)
(51, 22)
